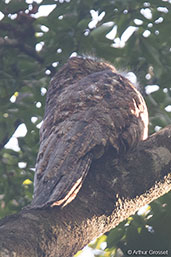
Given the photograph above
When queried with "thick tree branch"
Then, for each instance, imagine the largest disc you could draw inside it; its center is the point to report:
(113, 190)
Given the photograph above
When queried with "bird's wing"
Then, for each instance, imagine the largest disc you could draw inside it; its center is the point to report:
(63, 162)
(68, 135)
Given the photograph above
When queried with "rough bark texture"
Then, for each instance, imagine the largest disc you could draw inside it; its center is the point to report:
(112, 191)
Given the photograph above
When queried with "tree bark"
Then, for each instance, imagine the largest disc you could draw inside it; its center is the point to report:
(113, 190)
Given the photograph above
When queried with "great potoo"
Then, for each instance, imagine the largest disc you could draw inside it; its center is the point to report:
(89, 107)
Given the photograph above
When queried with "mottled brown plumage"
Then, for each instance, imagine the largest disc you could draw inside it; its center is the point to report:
(89, 106)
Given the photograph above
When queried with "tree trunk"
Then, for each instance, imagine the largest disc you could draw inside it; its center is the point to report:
(113, 190)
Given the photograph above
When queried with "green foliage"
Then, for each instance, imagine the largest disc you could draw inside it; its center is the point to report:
(30, 50)
(148, 230)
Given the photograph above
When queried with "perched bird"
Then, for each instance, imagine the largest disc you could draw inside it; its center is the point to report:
(89, 107)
